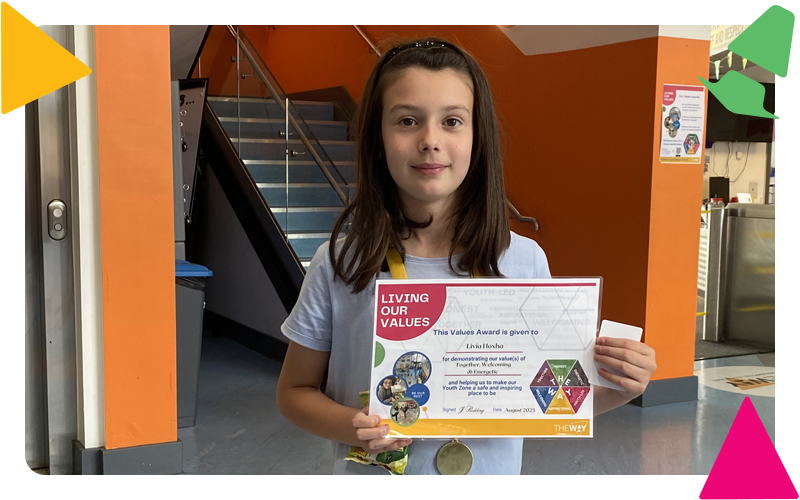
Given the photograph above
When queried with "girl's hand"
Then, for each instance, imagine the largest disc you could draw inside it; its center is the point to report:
(373, 435)
(636, 360)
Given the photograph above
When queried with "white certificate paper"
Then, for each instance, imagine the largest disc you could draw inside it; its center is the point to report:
(485, 357)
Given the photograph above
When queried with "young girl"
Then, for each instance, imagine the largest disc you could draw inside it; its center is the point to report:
(430, 187)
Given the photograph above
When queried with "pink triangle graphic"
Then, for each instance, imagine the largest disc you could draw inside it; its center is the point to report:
(747, 441)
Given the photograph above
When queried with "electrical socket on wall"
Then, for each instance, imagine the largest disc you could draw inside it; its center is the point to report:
(754, 190)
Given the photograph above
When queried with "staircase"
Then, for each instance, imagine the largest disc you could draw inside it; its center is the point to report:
(307, 206)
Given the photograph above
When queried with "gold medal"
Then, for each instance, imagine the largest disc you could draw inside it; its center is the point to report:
(454, 459)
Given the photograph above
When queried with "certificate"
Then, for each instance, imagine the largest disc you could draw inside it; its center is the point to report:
(485, 357)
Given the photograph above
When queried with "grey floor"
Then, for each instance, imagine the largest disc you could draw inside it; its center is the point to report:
(709, 350)
(239, 430)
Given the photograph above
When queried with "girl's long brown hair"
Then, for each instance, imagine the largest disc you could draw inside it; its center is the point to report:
(480, 221)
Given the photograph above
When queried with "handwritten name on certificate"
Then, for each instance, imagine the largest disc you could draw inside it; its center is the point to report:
(485, 357)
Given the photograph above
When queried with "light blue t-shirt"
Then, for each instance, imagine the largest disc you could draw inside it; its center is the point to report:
(327, 317)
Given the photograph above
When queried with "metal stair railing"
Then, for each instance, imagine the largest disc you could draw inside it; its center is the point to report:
(520, 217)
(280, 99)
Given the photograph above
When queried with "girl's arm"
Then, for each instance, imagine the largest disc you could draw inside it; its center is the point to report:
(302, 403)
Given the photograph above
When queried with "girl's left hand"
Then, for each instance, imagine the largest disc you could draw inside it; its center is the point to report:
(636, 360)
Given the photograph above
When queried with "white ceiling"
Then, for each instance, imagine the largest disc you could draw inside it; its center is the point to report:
(533, 40)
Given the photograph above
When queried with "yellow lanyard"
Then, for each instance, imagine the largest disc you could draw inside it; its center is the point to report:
(396, 266)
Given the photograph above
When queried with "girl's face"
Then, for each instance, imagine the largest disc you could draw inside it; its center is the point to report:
(427, 133)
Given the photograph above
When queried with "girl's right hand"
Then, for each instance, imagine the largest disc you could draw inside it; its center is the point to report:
(373, 435)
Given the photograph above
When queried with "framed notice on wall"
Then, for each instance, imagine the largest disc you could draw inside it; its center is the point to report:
(683, 115)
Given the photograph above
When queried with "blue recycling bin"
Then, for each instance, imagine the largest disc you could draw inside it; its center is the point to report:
(190, 286)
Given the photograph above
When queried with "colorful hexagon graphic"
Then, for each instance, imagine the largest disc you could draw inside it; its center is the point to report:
(691, 144)
(560, 387)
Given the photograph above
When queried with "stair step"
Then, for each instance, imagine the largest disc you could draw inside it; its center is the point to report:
(275, 149)
(305, 248)
(299, 171)
(251, 107)
(308, 235)
(295, 162)
(305, 244)
(292, 142)
(302, 195)
(270, 128)
(317, 219)
(296, 185)
(306, 210)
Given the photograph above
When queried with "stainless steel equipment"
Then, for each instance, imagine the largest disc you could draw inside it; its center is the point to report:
(740, 297)
(750, 288)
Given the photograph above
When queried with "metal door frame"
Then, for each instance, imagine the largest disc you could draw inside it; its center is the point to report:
(36, 449)
(56, 376)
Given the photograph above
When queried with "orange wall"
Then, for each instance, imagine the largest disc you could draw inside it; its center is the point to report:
(316, 57)
(301, 58)
(580, 134)
(137, 233)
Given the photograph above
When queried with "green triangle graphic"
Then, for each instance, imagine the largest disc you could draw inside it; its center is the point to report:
(739, 94)
(767, 41)
(560, 368)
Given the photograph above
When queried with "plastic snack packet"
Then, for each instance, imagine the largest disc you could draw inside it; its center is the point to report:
(364, 395)
(393, 461)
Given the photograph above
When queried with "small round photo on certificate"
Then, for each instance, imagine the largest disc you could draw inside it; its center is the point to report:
(413, 367)
(391, 389)
(405, 411)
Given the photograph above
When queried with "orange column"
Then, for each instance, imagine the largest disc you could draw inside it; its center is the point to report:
(134, 131)
(676, 193)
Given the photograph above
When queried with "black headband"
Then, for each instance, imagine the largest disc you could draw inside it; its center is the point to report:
(419, 45)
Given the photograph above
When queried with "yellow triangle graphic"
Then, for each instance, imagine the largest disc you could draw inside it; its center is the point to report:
(33, 64)
(560, 405)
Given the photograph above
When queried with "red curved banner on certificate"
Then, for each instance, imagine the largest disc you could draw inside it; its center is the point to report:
(407, 311)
